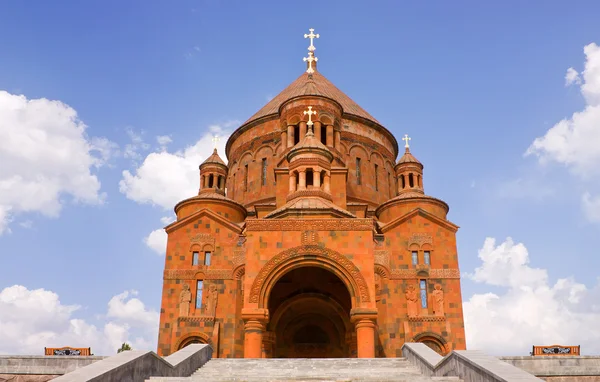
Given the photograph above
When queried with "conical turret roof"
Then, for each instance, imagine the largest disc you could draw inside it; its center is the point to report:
(214, 158)
(408, 158)
(316, 85)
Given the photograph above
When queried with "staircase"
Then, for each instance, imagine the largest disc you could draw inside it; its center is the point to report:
(306, 369)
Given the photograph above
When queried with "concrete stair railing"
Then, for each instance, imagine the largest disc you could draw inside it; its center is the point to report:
(469, 365)
(138, 365)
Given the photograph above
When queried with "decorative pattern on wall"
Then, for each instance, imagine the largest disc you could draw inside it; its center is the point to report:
(208, 274)
(310, 225)
(403, 274)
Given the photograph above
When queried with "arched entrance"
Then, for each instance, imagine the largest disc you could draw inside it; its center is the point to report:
(310, 315)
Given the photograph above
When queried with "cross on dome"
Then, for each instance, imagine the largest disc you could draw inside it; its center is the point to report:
(310, 113)
(406, 139)
(215, 139)
(311, 58)
(311, 36)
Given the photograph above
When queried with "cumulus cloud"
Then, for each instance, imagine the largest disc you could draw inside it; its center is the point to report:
(165, 178)
(45, 155)
(134, 149)
(530, 309)
(573, 141)
(33, 319)
(163, 140)
(591, 207)
(157, 241)
(572, 77)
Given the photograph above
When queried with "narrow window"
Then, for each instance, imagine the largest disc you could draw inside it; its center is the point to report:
(207, 258)
(376, 180)
(426, 258)
(403, 181)
(389, 179)
(264, 171)
(358, 171)
(410, 180)
(415, 257)
(195, 258)
(309, 177)
(322, 177)
(419, 181)
(324, 135)
(246, 177)
(199, 294)
(210, 180)
(296, 134)
(423, 287)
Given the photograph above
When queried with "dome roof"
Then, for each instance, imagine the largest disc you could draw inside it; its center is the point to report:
(310, 144)
(316, 85)
(408, 158)
(214, 158)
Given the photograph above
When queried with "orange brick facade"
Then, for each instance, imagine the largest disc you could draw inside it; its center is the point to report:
(312, 242)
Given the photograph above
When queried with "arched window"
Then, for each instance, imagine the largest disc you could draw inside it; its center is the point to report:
(403, 181)
(310, 181)
(296, 134)
(358, 172)
(376, 178)
(426, 257)
(411, 181)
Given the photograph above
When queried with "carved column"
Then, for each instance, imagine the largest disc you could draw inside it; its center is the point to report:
(290, 136)
(302, 180)
(364, 322)
(316, 178)
(292, 182)
(317, 127)
(326, 186)
(284, 140)
(302, 130)
(329, 137)
(336, 140)
(254, 327)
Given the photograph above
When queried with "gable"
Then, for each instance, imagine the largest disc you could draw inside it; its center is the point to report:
(205, 212)
(422, 213)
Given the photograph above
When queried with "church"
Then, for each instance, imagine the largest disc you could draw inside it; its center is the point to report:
(314, 241)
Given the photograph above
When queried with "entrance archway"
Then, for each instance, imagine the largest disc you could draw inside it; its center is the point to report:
(310, 315)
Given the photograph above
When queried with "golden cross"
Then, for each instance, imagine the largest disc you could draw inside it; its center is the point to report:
(310, 113)
(311, 58)
(311, 36)
(216, 139)
(406, 139)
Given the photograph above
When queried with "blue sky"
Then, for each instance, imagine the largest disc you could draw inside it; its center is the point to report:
(474, 84)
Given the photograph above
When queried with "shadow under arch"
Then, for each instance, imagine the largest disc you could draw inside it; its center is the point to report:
(309, 256)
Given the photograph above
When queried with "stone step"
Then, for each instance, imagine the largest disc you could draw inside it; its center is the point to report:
(307, 369)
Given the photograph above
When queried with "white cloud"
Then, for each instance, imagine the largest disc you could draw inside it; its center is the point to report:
(591, 207)
(163, 140)
(133, 150)
(33, 319)
(157, 241)
(165, 178)
(26, 224)
(573, 142)
(572, 77)
(167, 219)
(45, 154)
(530, 310)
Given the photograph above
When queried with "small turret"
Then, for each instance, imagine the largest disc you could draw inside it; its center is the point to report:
(213, 172)
(409, 172)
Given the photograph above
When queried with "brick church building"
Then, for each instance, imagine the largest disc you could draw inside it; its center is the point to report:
(313, 241)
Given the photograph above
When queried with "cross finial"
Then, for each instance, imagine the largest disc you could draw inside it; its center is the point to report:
(311, 58)
(310, 113)
(311, 36)
(215, 139)
(406, 139)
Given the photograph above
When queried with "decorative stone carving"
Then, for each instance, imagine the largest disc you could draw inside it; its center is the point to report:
(411, 301)
(420, 239)
(185, 298)
(307, 225)
(202, 238)
(189, 274)
(196, 319)
(313, 251)
(310, 238)
(407, 274)
(239, 258)
(426, 318)
(438, 300)
(382, 258)
(211, 301)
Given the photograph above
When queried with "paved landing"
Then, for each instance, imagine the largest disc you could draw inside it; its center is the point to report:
(307, 369)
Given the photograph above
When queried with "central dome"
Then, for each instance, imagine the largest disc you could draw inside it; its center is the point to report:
(315, 85)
